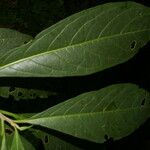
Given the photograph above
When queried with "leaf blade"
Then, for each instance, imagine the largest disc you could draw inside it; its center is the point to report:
(20, 143)
(17, 143)
(115, 111)
(3, 140)
(81, 45)
(10, 39)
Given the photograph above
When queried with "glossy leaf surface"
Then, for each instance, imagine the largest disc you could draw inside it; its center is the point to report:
(115, 111)
(85, 43)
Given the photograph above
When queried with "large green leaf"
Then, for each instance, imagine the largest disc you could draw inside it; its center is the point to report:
(10, 39)
(114, 111)
(84, 43)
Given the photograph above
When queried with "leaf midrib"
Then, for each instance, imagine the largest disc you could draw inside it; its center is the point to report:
(85, 114)
(70, 46)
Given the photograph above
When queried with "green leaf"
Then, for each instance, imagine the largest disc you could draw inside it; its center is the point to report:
(23, 93)
(10, 39)
(52, 142)
(20, 143)
(12, 115)
(85, 43)
(3, 142)
(12, 139)
(115, 111)
(25, 115)
(17, 143)
(14, 53)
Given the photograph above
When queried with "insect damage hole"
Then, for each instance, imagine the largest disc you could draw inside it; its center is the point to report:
(143, 102)
(46, 139)
(11, 89)
(106, 137)
(8, 131)
(25, 42)
(132, 45)
(20, 93)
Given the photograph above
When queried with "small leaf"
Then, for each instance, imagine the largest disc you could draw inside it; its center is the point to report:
(10, 39)
(3, 143)
(114, 111)
(82, 44)
(17, 143)
(23, 93)
(20, 143)
(8, 131)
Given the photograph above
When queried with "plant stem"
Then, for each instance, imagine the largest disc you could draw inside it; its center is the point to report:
(11, 122)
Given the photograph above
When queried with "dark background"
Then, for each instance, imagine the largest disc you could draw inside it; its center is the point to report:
(31, 17)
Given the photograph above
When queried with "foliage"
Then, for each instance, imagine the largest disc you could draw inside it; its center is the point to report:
(85, 43)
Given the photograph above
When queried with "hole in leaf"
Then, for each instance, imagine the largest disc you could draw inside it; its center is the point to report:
(20, 94)
(140, 14)
(111, 139)
(106, 137)
(143, 102)
(133, 44)
(34, 94)
(46, 139)
(31, 94)
(8, 131)
(25, 42)
(11, 89)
